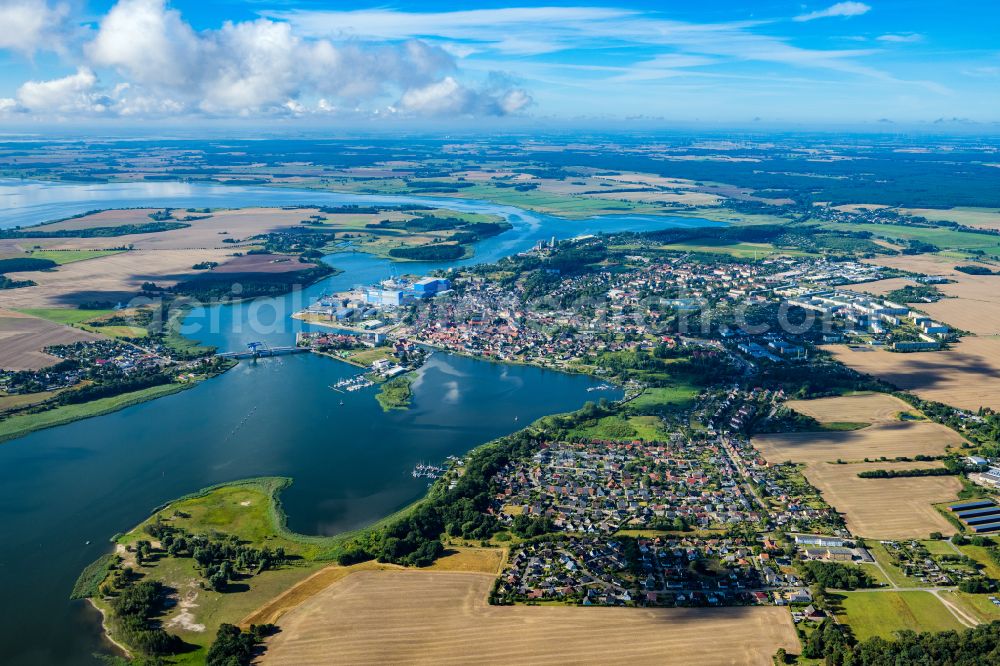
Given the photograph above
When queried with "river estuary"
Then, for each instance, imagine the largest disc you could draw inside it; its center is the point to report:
(65, 491)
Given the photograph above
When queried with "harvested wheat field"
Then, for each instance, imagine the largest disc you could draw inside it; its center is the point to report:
(972, 302)
(899, 508)
(931, 264)
(860, 408)
(113, 277)
(481, 560)
(204, 231)
(880, 287)
(966, 376)
(226, 229)
(116, 217)
(392, 617)
(902, 438)
(259, 263)
(983, 218)
(22, 338)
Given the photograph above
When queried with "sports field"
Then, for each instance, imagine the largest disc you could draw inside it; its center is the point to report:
(392, 617)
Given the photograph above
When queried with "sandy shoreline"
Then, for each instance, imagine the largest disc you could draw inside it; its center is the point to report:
(106, 633)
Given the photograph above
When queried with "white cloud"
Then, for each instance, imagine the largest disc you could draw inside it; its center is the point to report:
(909, 37)
(544, 30)
(448, 97)
(300, 62)
(260, 66)
(503, 28)
(839, 9)
(31, 25)
(76, 93)
(496, 35)
(147, 42)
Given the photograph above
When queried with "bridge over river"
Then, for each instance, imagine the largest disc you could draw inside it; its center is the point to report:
(261, 349)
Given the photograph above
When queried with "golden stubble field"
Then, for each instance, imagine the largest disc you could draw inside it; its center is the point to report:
(208, 232)
(859, 408)
(880, 287)
(113, 277)
(966, 376)
(427, 617)
(899, 508)
(984, 218)
(973, 302)
(903, 438)
(23, 337)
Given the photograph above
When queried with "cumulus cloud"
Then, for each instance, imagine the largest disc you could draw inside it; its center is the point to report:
(840, 9)
(76, 93)
(28, 26)
(264, 66)
(448, 97)
(146, 42)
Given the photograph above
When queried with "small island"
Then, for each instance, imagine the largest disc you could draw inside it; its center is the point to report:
(395, 393)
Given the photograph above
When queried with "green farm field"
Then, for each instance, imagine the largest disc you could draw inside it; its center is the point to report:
(67, 316)
(733, 249)
(672, 397)
(618, 428)
(71, 256)
(882, 613)
(88, 320)
(941, 237)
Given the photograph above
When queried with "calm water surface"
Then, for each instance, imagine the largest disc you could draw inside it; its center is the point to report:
(66, 490)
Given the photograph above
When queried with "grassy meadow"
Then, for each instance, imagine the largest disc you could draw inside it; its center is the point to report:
(22, 424)
(882, 613)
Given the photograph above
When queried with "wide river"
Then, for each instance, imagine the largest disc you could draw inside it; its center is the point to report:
(65, 491)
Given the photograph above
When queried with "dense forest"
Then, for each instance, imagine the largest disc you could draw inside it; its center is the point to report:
(835, 575)
(17, 264)
(93, 232)
(432, 252)
(971, 647)
(211, 286)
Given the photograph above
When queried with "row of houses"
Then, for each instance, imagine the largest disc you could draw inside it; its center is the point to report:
(599, 486)
(641, 572)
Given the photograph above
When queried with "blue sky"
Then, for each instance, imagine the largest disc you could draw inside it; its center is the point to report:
(721, 61)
